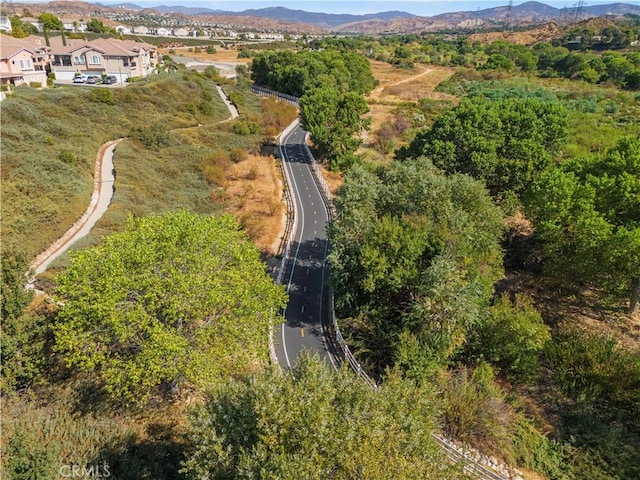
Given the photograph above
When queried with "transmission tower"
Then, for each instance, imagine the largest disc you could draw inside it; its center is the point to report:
(476, 23)
(579, 10)
(507, 17)
(8, 8)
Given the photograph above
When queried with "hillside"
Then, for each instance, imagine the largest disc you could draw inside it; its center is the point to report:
(300, 21)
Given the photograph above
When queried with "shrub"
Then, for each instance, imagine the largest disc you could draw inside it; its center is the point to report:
(35, 84)
(154, 136)
(68, 157)
(101, 95)
(237, 154)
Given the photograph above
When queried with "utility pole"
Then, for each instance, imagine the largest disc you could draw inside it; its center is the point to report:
(508, 15)
(579, 10)
(8, 8)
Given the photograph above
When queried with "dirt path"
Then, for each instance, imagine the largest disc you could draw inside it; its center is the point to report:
(379, 90)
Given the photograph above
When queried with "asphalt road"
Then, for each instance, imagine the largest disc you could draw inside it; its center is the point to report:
(305, 273)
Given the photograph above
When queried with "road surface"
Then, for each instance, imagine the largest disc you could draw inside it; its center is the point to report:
(305, 273)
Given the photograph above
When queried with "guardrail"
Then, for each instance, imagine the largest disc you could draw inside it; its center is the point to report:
(472, 460)
(266, 92)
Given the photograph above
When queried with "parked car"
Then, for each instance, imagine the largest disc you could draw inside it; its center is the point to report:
(79, 79)
(109, 79)
(93, 79)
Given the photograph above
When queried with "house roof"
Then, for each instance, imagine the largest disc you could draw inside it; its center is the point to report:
(9, 46)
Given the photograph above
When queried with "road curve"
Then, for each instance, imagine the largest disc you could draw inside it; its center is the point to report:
(305, 272)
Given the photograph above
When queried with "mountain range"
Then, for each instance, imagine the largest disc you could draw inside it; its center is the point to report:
(402, 22)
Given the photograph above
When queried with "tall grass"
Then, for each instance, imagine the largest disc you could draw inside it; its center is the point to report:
(50, 139)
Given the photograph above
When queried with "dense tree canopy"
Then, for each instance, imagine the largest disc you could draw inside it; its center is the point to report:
(334, 120)
(587, 211)
(506, 143)
(312, 423)
(295, 73)
(174, 298)
(414, 251)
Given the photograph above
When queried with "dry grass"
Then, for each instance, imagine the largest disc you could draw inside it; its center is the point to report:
(334, 180)
(221, 55)
(397, 85)
(254, 195)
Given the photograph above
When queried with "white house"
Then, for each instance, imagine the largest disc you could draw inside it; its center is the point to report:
(181, 32)
(141, 29)
(163, 32)
(121, 29)
(71, 25)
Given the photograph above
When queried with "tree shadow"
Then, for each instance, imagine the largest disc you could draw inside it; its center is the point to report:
(157, 456)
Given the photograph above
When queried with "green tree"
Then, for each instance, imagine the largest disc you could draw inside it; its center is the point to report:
(23, 332)
(174, 298)
(50, 21)
(512, 337)
(95, 25)
(414, 251)
(587, 212)
(333, 120)
(506, 143)
(312, 423)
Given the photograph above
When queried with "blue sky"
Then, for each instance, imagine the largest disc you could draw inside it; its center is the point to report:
(357, 7)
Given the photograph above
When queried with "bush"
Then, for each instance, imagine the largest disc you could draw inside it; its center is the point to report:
(237, 154)
(245, 128)
(68, 157)
(101, 95)
(35, 84)
(476, 412)
(154, 136)
(513, 337)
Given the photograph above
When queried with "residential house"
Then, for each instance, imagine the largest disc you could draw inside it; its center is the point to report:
(121, 58)
(162, 32)
(19, 64)
(121, 29)
(141, 30)
(181, 32)
(73, 25)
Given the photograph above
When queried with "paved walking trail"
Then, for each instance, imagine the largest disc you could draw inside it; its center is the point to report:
(103, 189)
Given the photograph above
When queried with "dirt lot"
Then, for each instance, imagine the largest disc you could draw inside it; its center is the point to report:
(221, 55)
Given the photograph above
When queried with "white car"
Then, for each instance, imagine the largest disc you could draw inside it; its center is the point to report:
(79, 79)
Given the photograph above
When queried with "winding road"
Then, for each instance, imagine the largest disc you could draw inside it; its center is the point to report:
(305, 271)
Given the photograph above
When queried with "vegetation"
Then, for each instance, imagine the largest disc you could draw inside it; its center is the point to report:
(334, 120)
(539, 368)
(415, 256)
(331, 85)
(312, 423)
(150, 306)
(587, 212)
(505, 143)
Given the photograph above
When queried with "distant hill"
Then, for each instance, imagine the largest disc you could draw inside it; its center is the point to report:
(325, 20)
(528, 13)
(525, 14)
